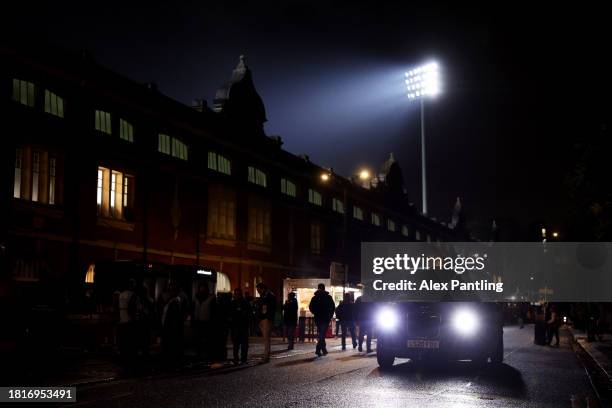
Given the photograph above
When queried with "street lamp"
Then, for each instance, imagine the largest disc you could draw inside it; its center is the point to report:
(423, 82)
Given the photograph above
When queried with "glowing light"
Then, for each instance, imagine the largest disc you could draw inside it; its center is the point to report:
(387, 319)
(555, 234)
(425, 78)
(324, 177)
(465, 322)
(364, 174)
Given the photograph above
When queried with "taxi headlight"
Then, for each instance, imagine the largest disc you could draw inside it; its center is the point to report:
(465, 322)
(387, 319)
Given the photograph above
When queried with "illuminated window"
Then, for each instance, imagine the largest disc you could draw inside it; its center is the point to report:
(172, 147)
(376, 219)
(315, 238)
(288, 187)
(259, 221)
(314, 197)
(35, 176)
(338, 206)
(219, 163)
(256, 176)
(23, 92)
(391, 225)
(115, 193)
(404, 230)
(54, 104)
(357, 213)
(103, 121)
(221, 212)
(126, 130)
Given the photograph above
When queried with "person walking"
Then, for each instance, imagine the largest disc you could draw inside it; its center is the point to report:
(202, 321)
(553, 324)
(240, 315)
(172, 328)
(126, 330)
(290, 315)
(322, 307)
(266, 310)
(346, 319)
(363, 316)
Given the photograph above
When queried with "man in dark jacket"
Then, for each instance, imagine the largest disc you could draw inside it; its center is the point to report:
(266, 310)
(322, 307)
(290, 312)
(239, 323)
(346, 319)
(363, 317)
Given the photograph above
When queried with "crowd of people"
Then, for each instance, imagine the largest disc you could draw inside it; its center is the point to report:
(237, 316)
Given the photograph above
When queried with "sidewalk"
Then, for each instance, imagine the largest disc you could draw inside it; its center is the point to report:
(72, 368)
(599, 351)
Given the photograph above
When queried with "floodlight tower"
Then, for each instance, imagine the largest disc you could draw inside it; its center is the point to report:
(423, 82)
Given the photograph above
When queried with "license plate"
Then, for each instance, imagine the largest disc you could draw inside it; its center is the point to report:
(424, 344)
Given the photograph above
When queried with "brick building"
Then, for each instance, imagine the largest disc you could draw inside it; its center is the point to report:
(99, 167)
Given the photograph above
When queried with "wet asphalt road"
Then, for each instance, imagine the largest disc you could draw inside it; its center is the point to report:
(532, 376)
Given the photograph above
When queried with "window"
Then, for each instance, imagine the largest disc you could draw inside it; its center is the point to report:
(35, 176)
(376, 219)
(23, 92)
(288, 187)
(391, 225)
(315, 238)
(314, 197)
(219, 163)
(221, 212)
(258, 177)
(404, 230)
(338, 206)
(115, 194)
(179, 149)
(103, 122)
(172, 146)
(54, 104)
(259, 221)
(357, 213)
(126, 130)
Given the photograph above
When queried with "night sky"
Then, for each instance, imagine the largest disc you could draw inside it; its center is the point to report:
(521, 84)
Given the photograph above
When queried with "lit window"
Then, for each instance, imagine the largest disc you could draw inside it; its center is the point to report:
(54, 104)
(256, 176)
(375, 219)
(219, 163)
(179, 149)
(163, 144)
(115, 193)
(221, 212)
(314, 197)
(35, 176)
(315, 238)
(23, 92)
(103, 121)
(17, 181)
(126, 130)
(338, 206)
(259, 221)
(288, 187)
(357, 213)
(391, 225)
(404, 230)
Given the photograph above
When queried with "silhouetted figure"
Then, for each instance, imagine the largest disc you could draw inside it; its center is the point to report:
(266, 310)
(144, 319)
(172, 327)
(363, 317)
(290, 315)
(202, 321)
(345, 313)
(240, 317)
(553, 322)
(221, 326)
(127, 327)
(322, 307)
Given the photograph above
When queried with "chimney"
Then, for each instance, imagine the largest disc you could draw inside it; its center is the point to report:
(200, 105)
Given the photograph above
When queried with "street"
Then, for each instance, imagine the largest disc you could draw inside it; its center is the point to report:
(531, 376)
